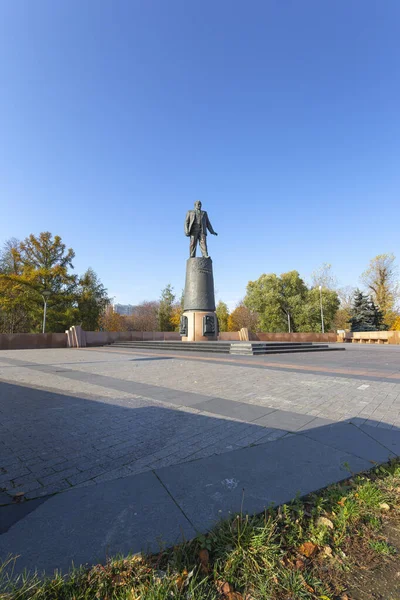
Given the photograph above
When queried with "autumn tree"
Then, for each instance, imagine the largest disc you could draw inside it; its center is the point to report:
(16, 299)
(343, 314)
(176, 313)
(396, 324)
(324, 277)
(380, 280)
(110, 320)
(243, 316)
(145, 316)
(44, 265)
(222, 315)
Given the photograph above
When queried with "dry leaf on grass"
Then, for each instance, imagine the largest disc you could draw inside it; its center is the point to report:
(204, 560)
(307, 549)
(223, 587)
(181, 579)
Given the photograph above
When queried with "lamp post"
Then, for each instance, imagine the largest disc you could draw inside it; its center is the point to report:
(322, 312)
(45, 296)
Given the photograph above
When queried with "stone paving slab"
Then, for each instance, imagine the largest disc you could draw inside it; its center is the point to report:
(254, 478)
(78, 421)
(348, 437)
(147, 511)
(86, 525)
(237, 410)
(104, 414)
(388, 438)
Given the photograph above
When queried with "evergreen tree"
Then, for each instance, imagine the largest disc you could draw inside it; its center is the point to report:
(92, 300)
(165, 310)
(365, 315)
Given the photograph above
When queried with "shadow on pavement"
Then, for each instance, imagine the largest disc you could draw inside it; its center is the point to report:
(132, 476)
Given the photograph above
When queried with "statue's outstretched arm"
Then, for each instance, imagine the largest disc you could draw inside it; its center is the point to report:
(210, 227)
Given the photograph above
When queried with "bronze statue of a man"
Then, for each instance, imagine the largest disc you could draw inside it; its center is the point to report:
(196, 225)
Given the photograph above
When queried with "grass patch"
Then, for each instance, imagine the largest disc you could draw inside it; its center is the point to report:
(382, 547)
(303, 551)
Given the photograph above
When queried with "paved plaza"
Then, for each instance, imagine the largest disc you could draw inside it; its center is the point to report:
(118, 450)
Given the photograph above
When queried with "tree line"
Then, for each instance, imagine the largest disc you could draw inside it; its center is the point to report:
(41, 266)
(38, 267)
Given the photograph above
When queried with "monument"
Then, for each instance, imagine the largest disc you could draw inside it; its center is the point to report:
(199, 320)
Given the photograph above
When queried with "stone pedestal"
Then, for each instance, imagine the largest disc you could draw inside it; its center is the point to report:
(199, 320)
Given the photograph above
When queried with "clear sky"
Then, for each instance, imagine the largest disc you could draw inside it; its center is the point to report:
(282, 116)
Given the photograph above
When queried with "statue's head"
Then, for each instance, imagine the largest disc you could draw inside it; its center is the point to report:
(197, 205)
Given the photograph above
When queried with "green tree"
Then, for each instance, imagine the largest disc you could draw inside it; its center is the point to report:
(310, 317)
(165, 310)
(365, 315)
(92, 300)
(279, 301)
(381, 281)
(222, 315)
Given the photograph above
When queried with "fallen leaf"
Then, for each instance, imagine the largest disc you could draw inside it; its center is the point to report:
(204, 560)
(181, 579)
(342, 501)
(324, 522)
(307, 549)
(299, 564)
(223, 587)
(384, 506)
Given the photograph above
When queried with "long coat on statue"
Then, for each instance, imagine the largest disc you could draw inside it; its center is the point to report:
(191, 219)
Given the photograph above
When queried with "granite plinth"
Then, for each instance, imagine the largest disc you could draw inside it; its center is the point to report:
(199, 285)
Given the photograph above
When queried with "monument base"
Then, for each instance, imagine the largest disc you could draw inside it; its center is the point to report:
(201, 326)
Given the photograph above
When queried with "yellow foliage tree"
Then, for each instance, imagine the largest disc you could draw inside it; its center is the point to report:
(175, 318)
(242, 317)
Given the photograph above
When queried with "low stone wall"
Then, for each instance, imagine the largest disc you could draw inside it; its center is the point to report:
(234, 336)
(20, 341)
(372, 337)
(100, 338)
(229, 336)
(297, 337)
(32, 341)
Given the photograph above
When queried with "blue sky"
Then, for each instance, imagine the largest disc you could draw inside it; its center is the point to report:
(281, 116)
